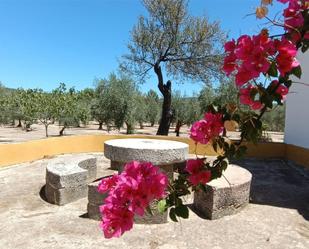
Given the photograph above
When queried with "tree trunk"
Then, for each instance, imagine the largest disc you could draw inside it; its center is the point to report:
(166, 114)
(130, 128)
(100, 125)
(19, 123)
(152, 124)
(141, 125)
(177, 129)
(46, 132)
(61, 131)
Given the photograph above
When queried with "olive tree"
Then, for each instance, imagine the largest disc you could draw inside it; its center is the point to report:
(27, 106)
(66, 106)
(140, 109)
(171, 41)
(186, 111)
(47, 109)
(115, 102)
(152, 103)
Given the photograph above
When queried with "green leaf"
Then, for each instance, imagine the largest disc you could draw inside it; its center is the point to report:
(182, 211)
(148, 209)
(288, 83)
(172, 215)
(297, 71)
(215, 146)
(162, 206)
(272, 71)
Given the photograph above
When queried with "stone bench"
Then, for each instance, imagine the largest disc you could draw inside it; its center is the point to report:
(224, 196)
(67, 178)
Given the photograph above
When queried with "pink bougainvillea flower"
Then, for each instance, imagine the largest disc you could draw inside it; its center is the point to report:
(256, 105)
(116, 221)
(194, 166)
(197, 173)
(215, 124)
(306, 36)
(285, 59)
(248, 57)
(230, 46)
(293, 17)
(244, 47)
(130, 193)
(246, 97)
(282, 90)
(243, 76)
(198, 131)
(107, 183)
(208, 128)
(229, 64)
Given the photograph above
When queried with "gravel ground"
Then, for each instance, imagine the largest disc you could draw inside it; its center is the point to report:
(277, 216)
(10, 134)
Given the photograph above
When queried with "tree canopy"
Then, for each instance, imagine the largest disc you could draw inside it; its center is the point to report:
(187, 47)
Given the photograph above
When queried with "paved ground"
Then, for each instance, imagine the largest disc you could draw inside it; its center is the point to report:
(10, 134)
(277, 216)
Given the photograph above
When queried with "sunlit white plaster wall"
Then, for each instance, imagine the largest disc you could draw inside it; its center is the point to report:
(297, 108)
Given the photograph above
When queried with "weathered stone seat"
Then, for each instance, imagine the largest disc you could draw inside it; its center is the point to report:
(67, 178)
(226, 195)
(96, 199)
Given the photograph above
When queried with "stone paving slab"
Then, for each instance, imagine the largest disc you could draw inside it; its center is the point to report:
(277, 216)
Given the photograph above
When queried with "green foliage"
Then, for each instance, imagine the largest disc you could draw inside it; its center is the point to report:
(185, 110)
(189, 46)
(152, 105)
(274, 120)
(116, 102)
(66, 107)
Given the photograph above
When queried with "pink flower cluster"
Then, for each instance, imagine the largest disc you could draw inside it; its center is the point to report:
(282, 90)
(251, 56)
(285, 59)
(208, 128)
(293, 17)
(129, 193)
(247, 97)
(198, 175)
(248, 56)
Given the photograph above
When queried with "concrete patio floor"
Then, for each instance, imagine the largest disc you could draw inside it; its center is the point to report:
(277, 216)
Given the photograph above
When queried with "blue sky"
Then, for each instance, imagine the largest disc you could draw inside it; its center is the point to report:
(44, 42)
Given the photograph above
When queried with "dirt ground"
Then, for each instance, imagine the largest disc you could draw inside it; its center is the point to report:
(11, 134)
(276, 218)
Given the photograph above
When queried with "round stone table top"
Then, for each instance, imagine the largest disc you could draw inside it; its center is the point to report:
(156, 151)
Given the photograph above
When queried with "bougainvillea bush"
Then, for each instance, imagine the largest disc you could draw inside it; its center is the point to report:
(262, 66)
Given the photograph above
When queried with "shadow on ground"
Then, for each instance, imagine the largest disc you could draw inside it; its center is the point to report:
(42, 194)
(279, 183)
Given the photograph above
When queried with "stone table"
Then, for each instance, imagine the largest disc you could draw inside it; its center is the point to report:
(162, 153)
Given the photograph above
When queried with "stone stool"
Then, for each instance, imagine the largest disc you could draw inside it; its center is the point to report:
(96, 199)
(67, 178)
(162, 153)
(224, 196)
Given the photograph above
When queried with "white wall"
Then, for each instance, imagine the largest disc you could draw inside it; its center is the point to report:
(297, 108)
